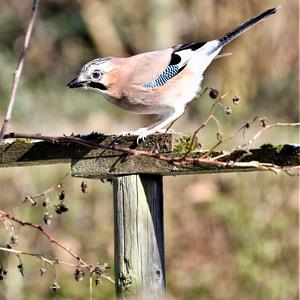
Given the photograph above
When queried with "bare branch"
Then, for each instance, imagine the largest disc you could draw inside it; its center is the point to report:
(108, 278)
(4, 215)
(210, 117)
(268, 127)
(38, 255)
(18, 71)
(44, 193)
(91, 287)
(257, 135)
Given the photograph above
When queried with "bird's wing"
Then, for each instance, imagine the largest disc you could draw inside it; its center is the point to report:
(178, 60)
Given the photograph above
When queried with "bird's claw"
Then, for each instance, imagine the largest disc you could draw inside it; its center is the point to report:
(143, 132)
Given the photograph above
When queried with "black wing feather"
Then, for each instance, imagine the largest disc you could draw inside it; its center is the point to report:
(191, 46)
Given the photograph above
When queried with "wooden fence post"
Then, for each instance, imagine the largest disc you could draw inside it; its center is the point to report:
(139, 236)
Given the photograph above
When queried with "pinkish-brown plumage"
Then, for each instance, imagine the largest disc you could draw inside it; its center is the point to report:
(160, 82)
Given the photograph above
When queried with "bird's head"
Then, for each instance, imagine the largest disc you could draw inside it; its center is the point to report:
(94, 75)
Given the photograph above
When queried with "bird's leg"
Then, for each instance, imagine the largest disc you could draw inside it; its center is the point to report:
(136, 132)
(147, 127)
(159, 124)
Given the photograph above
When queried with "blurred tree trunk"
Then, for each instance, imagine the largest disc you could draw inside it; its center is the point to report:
(163, 24)
(97, 17)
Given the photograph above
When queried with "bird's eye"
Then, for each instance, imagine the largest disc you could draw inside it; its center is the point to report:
(96, 74)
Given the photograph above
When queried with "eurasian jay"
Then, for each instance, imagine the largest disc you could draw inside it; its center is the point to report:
(160, 82)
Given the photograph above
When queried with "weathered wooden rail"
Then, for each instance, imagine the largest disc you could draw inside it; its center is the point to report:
(138, 193)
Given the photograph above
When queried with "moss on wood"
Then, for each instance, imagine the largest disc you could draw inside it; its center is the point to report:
(184, 144)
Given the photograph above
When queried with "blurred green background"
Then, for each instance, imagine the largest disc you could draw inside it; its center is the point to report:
(230, 236)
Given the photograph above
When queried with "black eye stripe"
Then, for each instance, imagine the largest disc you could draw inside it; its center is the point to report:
(97, 85)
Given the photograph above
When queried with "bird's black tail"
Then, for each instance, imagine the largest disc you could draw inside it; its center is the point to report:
(228, 37)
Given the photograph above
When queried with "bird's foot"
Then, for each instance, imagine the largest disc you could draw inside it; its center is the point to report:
(143, 132)
(136, 132)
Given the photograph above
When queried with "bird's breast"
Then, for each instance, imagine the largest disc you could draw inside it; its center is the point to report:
(129, 93)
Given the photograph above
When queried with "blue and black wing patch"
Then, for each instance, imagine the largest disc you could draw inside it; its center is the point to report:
(177, 63)
(162, 78)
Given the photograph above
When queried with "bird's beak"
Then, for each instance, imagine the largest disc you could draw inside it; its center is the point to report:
(76, 83)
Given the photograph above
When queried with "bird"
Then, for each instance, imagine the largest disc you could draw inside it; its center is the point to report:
(161, 82)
